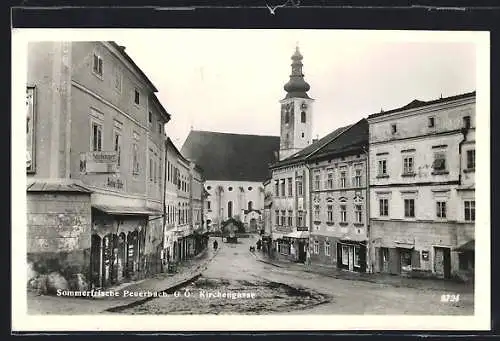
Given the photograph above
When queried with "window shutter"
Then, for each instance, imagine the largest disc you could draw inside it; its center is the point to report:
(415, 259)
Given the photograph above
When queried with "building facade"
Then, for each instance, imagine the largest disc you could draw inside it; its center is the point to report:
(422, 162)
(339, 197)
(102, 130)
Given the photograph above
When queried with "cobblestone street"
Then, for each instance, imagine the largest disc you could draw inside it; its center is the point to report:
(278, 289)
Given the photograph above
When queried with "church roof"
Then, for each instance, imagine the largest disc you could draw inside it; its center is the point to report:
(232, 157)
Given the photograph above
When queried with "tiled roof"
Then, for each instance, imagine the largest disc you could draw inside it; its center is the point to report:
(231, 157)
(354, 139)
(418, 104)
(52, 186)
(303, 153)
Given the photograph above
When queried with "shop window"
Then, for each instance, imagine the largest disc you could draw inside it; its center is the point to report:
(345, 255)
(357, 256)
(327, 249)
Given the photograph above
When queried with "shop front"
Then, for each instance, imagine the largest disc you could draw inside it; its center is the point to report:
(297, 245)
(351, 255)
(117, 245)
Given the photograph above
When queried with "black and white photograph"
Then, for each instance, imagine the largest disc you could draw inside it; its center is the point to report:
(303, 179)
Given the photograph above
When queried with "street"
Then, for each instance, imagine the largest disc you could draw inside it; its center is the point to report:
(235, 270)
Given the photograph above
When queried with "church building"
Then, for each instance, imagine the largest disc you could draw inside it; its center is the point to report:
(235, 167)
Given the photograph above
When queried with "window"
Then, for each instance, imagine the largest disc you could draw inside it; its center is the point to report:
(356, 256)
(316, 213)
(357, 178)
(250, 188)
(136, 97)
(303, 117)
(276, 188)
(408, 165)
(329, 209)
(289, 187)
(316, 247)
(359, 214)
(97, 65)
(283, 187)
(160, 125)
(394, 128)
(135, 155)
(96, 137)
(343, 176)
(117, 148)
(209, 205)
(383, 207)
(277, 215)
(409, 208)
(300, 218)
(150, 119)
(230, 189)
(230, 209)
(343, 213)
(441, 209)
(439, 164)
(431, 122)
(466, 122)
(329, 181)
(118, 80)
(382, 167)
(302, 135)
(209, 188)
(299, 186)
(316, 180)
(282, 218)
(150, 169)
(471, 159)
(250, 205)
(345, 255)
(290, 218)
(287, 117)
(327, 249)
(470, 210)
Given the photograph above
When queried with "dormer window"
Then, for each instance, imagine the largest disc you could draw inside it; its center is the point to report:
(394, 129)
(431, 122)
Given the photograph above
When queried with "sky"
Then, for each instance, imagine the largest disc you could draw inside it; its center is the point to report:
(232, 80)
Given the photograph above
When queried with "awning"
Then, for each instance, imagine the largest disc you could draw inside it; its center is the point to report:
(298, 235)
(277, 235)
(126, 210)
(404, 244)
(352, 238)
(469, 246)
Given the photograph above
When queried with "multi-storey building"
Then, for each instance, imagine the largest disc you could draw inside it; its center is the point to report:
(339, 227)
(234, 166)
(95, 131)
(422, 162)
(196, 199)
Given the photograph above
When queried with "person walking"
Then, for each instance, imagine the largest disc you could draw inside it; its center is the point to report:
(308, 258)
(215, 245)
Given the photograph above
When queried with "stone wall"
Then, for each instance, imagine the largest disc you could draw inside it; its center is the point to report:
(58, 237)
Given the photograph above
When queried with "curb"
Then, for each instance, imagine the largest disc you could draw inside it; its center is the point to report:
(170, 290)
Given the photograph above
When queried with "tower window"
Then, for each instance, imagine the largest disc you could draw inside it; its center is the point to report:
(287, 117)
(302, 134)
(303, 117)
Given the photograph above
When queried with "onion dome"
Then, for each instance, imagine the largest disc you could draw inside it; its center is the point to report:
(297, 86)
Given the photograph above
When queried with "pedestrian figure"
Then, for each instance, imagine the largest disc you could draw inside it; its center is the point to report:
(308, 258)
(215, 245)
(259, 244)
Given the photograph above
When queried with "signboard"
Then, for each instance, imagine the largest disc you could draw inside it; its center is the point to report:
(304, 228)
(99, 162)
(30, 129)
(425, 255)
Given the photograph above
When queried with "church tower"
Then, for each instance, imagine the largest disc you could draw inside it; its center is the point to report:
(296, 111)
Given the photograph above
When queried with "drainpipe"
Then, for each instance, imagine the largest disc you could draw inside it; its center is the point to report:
(164, 203)
(368, 198)
(464, 133)
(309, 182)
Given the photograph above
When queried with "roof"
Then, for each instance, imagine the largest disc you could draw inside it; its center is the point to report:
(121, 49)
(162, 109)
(419, 104)
(469, 246)
(304, 153)
(51, 186)
(168, 142)
(231, 157)
(352, 140)
(126, 210)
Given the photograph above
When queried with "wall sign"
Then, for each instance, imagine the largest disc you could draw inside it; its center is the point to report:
(99, 162)
(425, 255)
(30, 129)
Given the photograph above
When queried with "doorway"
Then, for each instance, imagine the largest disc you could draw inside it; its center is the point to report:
(442, 261)
(384, 260)
(302, 251)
